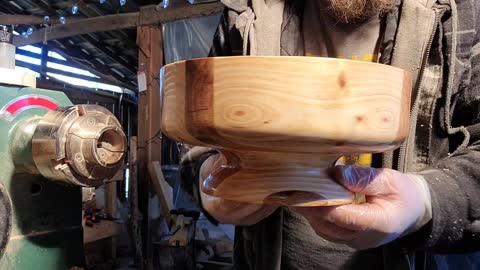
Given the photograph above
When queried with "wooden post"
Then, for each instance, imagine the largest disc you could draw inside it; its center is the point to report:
(111, 210)
(133, 198)
(149, 41)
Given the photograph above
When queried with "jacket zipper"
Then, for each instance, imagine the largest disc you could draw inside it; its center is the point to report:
(401, 157)
(411, 264)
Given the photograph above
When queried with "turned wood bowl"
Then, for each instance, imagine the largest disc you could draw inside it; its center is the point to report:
(280, 122)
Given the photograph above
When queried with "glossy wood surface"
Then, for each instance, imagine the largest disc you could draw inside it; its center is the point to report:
(280, 121)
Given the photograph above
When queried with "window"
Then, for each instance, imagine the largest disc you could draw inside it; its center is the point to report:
(56, 66)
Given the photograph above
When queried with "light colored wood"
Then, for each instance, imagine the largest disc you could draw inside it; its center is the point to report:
(148, 15)
(162, 189)
(280, 121)
(275, 178)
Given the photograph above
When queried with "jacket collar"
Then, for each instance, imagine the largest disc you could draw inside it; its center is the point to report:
(237, 5)
(262, 19)
(243, 5)
(416, 27)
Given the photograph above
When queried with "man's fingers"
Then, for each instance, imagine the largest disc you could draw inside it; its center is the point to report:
(349, 217)
(361, 217)
(364, 180)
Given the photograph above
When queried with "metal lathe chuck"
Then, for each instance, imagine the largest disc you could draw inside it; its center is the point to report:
(81, 145)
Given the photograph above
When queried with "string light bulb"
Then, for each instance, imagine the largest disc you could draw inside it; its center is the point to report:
(74, 9)
(46, 18)
(165, 3)
(62, 19)
(123, 2)
(102, 1)
(30, 30)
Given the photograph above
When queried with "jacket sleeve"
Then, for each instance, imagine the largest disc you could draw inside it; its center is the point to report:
(189, 174)
(454, 182)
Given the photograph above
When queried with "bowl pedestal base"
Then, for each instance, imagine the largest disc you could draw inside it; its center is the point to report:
(288, 179)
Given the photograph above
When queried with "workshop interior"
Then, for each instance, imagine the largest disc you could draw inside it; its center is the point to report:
(132, 129)
(88, 180)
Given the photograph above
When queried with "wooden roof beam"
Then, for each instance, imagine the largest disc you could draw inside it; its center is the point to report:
(148, 15)
(7, 19)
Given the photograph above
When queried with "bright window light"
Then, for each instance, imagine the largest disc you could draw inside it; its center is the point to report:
(68, 79)
(56, 56)
(38, 50)
(28, 59)
(32, 49)
(71, 69)
(85, 83)
(28, 70)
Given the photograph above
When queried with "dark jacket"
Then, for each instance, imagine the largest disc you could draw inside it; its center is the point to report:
(438, 41)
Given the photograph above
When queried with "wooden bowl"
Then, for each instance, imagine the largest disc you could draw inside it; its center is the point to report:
(279, 122)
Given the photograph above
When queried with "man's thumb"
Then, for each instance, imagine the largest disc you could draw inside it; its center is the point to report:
(364, 180)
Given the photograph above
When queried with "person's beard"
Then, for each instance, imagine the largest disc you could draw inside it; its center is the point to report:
(354, 11)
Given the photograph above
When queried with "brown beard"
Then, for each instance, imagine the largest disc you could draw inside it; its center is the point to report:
(354, 11)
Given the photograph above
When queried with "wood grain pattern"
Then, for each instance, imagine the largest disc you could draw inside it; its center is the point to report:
(283, 120)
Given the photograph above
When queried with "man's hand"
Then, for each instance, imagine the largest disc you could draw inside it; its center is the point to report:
(397, 204)
(230, 212)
